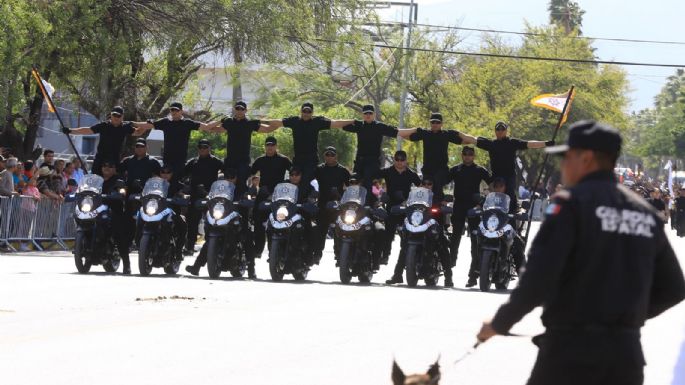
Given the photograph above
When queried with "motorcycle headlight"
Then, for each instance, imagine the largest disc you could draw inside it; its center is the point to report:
(151, 207)
(416, 218)
(350, 216)
(87, 204)
(218, 211)
(281, 213)
(492, 223)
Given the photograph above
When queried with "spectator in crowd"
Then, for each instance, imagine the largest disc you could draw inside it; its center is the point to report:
(59, 171)
(57, 184)
(29, 169)
(78, 170)
(48, 159)
(19, 178)
(376, 188)
(68, 172)
(72, 186)
(44, 184)
(29, 206)
(6, 176)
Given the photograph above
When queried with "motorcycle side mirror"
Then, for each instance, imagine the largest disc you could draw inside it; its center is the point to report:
(449, 198)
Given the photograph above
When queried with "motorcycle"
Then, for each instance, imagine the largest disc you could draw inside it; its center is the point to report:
(495, 239)
(224, 230)
(421, 236)
(290, 250)
(94, 243)
(356, 228)
(159, 245)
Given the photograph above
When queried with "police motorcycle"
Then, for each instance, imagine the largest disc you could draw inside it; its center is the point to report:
(290, 246)
(94, 243)
(495, 240)
(224, 230)
(357, 228)
(421, 234)
(159, 244)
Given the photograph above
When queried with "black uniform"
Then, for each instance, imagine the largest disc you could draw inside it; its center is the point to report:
(680, 216)
(330, 178)
(503, 162)
(140, 169)
(202, 171)
(658, 204)
(435, 156)
(176, 139)
(111, 141)
(305, 142)
(238, 144)
(367, 163)
(271, 172)
(398, 187)
(467, 180)
(600, 266)
(120, 225)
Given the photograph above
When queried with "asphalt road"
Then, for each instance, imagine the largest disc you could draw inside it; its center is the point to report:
(60, 327)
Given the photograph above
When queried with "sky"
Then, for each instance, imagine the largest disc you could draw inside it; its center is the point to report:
(627, 19)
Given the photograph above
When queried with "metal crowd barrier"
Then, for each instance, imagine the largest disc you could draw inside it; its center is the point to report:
(25, 220)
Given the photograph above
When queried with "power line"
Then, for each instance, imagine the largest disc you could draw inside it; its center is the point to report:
(502, 56)
(446, 27)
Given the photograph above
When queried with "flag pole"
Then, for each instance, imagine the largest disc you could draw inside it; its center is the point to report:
(560, 122)
(39, 80)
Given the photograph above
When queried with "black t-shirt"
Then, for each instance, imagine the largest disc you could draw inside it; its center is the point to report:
(271, 170)
(657, 204)
(203, 171)
(370, 136)
(239, 138)
(306, 135)
(142, 169)
(435, 156)
(330, 177)
(111, 139)
(176, 137)
(467, 182)
(502, 154)
(395, 182)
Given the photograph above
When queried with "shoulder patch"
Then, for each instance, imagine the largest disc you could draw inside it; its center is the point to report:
(553, 209)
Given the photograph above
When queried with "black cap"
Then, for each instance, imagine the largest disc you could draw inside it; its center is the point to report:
(203, 143)
(295, 170)
(590, 135)
(401, 154)
(307, 105)
(501, 124)
(468, 149)
(436, 116)
(176, 105)
(117, 110)
(270, 141)
(330, 149)
(240, 104)
(141, 142)
(368, 108)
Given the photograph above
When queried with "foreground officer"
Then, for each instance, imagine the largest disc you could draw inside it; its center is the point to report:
(600, 266)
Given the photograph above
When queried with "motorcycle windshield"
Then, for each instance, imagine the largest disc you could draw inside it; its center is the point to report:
(222, 189)
(355, 194)
(91, 182)
(285, 192)
(420, 196)
(497, 201)
(156, 186)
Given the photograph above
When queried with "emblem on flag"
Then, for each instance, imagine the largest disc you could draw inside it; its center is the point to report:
(555, 102)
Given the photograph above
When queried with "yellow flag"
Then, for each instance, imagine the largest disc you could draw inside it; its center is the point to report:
(46, 89)
(555, 103)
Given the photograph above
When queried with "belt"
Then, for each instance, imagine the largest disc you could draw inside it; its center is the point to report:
(594, 328)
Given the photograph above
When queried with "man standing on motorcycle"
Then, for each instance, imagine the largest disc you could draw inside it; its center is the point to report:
(600, 266)
(202, 170)
(435, 153)
(467, 178)
(443, 244)
(399, 179)
(502, 152)
(120, 225)
(331, 177)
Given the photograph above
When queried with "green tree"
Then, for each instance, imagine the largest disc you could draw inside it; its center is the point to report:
(566, 14)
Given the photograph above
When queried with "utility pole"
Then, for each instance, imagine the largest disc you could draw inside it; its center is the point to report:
(413, 10)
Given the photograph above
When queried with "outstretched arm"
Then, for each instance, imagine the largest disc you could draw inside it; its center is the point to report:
(341, 123)
(539, 143)
(265, 128)
(141, 128)
(80, 131)
(209, 127)
(466, 138)
(406, 132)
(273, 124)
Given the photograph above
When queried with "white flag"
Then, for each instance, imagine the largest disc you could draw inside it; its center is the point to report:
(669, 167)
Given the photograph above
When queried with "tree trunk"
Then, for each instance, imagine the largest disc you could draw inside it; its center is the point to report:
(237, 83)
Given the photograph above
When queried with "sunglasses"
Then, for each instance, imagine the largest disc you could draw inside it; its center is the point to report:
(203, 147)
(165, 172)
(400, 159)
(116, 115)
(467, 153)
(500, 128)
(239, 108)
(174, 109)
(368, 113)
(329, 154)
(306, 111)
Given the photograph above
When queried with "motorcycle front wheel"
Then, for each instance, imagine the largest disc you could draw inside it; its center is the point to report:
(484, 281)
(213, 263)
(144, 259)
(275, 254)
(412, 274)
(344, 258)
(81, 260)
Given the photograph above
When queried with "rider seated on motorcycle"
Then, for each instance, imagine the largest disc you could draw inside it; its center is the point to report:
(443, 243)
(373, 202)
(305, 194)
(230, 175)
(109, 186)
(517, 250)
(176, 190)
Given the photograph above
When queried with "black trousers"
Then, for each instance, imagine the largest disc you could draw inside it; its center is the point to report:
(588, 359)
(443, 254)
(368, 168)
(511, 188)
(259, 218)
(242, 169)
(324, 218)
(194, 216)
(459, 219)
(440, 178)
(120, 227)
(308, 167)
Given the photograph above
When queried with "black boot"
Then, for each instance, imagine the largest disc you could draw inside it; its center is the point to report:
(251, 274)
(194, 270)
(448, 280)
(127, 267)
(394, 279)
(473, 281)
